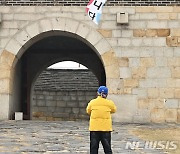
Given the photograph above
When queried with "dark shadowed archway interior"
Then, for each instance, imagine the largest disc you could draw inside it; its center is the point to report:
(52, 48)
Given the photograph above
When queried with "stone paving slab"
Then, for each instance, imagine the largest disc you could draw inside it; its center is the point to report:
(63, 137)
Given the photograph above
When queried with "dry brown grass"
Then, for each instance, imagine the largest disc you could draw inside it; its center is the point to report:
(163, 134)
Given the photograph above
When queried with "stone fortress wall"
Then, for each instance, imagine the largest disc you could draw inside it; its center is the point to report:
(85, 2)
(63, 94)
(141, 59)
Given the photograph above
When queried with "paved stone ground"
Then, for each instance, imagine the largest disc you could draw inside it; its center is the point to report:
(62, 137)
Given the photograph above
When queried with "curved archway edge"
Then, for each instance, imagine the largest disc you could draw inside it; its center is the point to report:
(18, 43)
(16, 46)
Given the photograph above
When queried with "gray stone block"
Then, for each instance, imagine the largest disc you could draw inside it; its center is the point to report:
(48, 114)
(41, 103)
(42, 109)
(34, 103)
(73, 98)
(49, 97)
(67, 110)
(66, 98)
(38, 92)
(45, 93)
(58, 98)
(51, 109)
(171, 103)
(40, 97)
(61, 115)
(59, 93)
(80, 93)
(50, 103)
(35, 109)
(88, 98)
(82, 111)
(52, 93)
(73, 116)
(83, 104)
(72, 93)
(60, 109)
(80, 98)
(61, 103)
(75, 110)
(72, 104)
(83, 116)
(91, 93)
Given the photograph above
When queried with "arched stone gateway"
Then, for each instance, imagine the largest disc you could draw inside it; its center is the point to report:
(15, 62)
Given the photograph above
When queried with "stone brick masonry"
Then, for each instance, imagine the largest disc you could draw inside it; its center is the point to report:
(85, 2)
(141, 59)
(63, 94)
(61, 105)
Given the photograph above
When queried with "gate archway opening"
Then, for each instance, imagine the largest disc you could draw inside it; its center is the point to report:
(52, 47)
(62, 92)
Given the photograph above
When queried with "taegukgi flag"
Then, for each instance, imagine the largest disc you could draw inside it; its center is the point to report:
(94, 9)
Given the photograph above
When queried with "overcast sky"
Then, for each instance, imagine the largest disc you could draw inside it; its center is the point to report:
(67, 65)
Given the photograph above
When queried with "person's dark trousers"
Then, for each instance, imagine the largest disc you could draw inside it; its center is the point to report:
(96, 137)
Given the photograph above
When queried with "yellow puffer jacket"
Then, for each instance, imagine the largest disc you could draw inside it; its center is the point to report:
(100, 110)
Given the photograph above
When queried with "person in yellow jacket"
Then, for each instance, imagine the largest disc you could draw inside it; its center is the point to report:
(100, 124)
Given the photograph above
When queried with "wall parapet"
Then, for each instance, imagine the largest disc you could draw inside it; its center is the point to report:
(85, 2)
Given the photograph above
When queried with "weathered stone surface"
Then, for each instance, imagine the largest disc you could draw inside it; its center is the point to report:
(123, 61)
(166, 93)
(112, 71)
(174, 61)
(5, 86)
(129, 107)
(4, 103)
(172, 82)
(157, 115)
(177, 93)
(130, 83)
(157, 24)
(176, 72)
(38, 114)
(151, 32)
(178, 116)
(153, 93)
(171, 115)
(158, 72)
(69, 27)
(156, 103)
(144, 9)
(147, 62)
(5, 73)
(7, 59)
(114, 85)
(144, 53)
(105, 32)
(125, 72)
(173, 41)
(139, 33)
(33, 29)
(139, 72)
(167, 16)
(175, 31)
(72, 136)
(152, 83)
(163, 32)
(45, 25)
(72, 100)
(143, 104)
(110, 58)
(172, 103)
